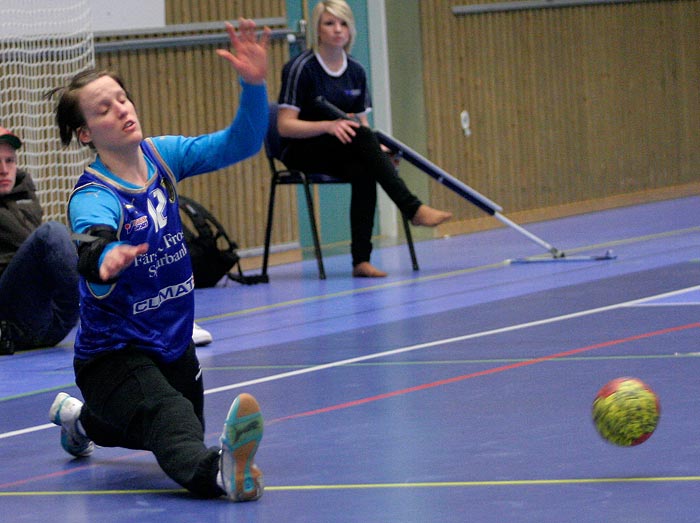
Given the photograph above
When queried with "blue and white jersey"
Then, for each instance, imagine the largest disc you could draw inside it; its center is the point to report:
(306, 77)
(150, 307)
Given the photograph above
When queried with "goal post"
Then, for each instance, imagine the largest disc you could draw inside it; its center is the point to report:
(43, 43)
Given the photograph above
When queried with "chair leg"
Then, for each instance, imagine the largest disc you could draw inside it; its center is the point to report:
(268, 230)
(409, 240)
(314, 229)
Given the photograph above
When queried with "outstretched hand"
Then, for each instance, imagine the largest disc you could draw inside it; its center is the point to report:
(250, 53)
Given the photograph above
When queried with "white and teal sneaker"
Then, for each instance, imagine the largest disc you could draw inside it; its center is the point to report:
(64, 412)
(241, 478)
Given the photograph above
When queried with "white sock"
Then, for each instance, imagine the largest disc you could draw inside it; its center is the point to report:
(219, 476)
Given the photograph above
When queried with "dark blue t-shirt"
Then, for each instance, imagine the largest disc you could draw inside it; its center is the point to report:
(305, 78)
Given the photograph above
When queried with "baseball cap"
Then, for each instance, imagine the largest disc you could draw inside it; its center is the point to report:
(8, 137)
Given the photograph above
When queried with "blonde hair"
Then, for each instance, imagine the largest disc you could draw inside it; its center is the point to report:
(339, 9)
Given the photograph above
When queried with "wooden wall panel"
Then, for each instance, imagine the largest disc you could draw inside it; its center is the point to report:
(567, 104)
(190, 11)
(190, 91)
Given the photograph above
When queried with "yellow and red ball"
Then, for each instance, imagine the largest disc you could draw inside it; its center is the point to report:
(626, 411)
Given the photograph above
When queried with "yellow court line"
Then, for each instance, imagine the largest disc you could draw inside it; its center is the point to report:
(636, 239)
(350, 292)
(420, 279)
(488, 483)
(369, 486)
(90, 492)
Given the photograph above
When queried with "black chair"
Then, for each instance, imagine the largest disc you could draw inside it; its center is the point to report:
(284, 176)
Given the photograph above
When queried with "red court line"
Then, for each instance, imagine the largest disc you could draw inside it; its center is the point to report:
(487, 372)
(51, 475)
(78, 468)
(400, 392)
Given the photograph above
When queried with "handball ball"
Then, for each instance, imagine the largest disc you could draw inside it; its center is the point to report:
(626, 412)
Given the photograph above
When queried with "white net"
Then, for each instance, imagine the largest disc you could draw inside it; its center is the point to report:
(43, 43)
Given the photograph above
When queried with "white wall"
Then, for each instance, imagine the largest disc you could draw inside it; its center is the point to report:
(31, 17)
(114, 15)
(381, 100)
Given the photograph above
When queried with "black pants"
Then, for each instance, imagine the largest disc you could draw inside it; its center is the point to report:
(362, 163)
(133, 401)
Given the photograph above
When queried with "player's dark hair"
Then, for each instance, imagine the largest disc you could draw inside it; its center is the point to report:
(69, 117)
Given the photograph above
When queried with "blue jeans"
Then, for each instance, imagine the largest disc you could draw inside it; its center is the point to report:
(39, 288)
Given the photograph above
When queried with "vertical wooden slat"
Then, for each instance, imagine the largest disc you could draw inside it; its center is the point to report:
(567, 105)
(191, 91)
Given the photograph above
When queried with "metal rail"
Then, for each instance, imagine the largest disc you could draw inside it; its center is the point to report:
(168, 37)
(532, 4)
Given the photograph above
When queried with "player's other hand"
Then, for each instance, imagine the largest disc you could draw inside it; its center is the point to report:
(119, 258)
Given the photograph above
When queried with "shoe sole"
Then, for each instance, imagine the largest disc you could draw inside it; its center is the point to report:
(243, 431)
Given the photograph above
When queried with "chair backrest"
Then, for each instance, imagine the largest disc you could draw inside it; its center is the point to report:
(273, 141)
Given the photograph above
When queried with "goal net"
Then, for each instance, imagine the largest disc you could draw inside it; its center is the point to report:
(43, 43)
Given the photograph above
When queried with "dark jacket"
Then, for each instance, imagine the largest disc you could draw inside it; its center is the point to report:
(20, 215)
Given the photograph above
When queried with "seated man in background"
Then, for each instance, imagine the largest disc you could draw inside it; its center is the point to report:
(38, 263)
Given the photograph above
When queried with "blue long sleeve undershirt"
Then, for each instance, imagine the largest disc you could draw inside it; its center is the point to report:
(186, 156)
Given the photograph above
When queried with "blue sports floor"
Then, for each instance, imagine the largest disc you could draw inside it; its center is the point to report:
(461, 392)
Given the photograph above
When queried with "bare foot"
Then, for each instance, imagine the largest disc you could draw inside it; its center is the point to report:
(429, 217)
(367, 270)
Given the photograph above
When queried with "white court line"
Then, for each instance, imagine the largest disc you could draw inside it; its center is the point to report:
(644, 301)
(445, 341)
(672, 304)
(27, 430)
(410, 348)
